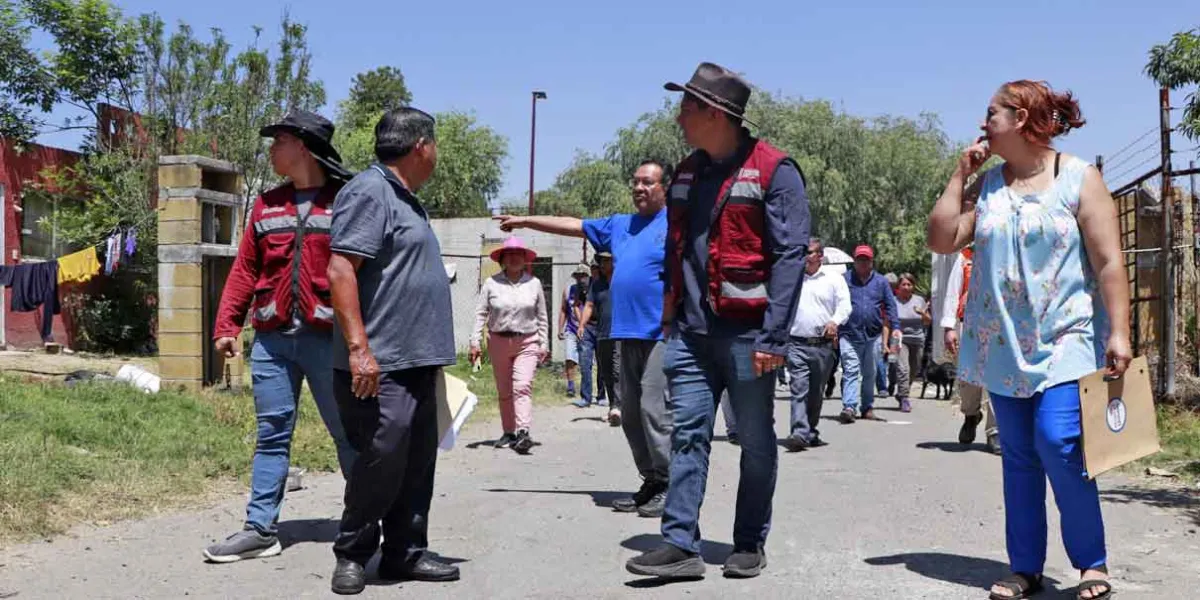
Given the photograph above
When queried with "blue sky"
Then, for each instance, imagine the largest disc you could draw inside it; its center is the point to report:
(604, 64)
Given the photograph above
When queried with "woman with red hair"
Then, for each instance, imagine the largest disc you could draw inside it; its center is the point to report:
(1048, 304)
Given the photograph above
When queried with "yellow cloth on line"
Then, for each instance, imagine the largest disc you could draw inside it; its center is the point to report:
(80, 266)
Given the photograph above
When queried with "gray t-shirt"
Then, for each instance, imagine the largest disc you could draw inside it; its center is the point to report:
(911, 324)
(403, 289)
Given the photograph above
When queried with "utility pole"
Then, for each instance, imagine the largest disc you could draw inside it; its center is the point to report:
(1167, 263)
(1195, 254)
(533, 142)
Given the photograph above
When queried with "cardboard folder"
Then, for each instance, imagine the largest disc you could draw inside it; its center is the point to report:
(454, 404)
(1118, 418)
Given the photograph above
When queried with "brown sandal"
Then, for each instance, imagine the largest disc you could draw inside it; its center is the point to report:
(1022, 585)
(1088, 584)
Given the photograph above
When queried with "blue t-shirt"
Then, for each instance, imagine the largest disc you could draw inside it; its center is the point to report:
(638, 246)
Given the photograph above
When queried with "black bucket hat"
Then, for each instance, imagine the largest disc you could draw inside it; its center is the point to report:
(316, 132)
(719, 88)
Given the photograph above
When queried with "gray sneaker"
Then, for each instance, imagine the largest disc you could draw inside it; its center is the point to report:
(247, 543)
(653, 508)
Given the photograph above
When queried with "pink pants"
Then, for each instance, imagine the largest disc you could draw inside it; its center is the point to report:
(514, 360)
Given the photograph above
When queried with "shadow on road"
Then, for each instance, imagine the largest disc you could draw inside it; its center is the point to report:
(307, 531)
(602, 499)
(713, 553)
(978, 573)
(596, 419)
(1186, 501)
(954, 447)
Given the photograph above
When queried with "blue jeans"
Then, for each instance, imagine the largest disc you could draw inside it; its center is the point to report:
(881, 369)
(587, 353)
(858, 372)
(1041, 438)
(277, 364)
(699, 368)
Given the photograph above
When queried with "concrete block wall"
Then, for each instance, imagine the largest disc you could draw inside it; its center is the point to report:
(186, 301)
(468, 237)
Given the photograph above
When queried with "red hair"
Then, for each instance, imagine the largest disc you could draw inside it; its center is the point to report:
(1051, 113)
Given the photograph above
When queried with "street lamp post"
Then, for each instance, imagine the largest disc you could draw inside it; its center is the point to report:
(533, 143)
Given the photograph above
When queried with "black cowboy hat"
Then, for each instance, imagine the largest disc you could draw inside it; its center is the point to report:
(316, 132)
(719, 88)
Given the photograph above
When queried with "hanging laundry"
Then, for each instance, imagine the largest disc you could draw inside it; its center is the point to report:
(112, 255)
(131, 241)
(80, 266)
(35, 285)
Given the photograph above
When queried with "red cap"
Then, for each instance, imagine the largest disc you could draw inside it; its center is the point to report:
(864, 250)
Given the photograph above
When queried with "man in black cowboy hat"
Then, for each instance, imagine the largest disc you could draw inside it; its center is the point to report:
(738, 226)
(279, 278)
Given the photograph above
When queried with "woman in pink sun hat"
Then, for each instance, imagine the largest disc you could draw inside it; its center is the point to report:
(513, 306)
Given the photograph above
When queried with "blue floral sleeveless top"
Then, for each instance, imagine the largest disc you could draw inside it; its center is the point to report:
(1034, 316)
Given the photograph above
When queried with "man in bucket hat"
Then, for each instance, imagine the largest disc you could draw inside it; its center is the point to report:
(569, 329)
(738, 231)
(279, 278)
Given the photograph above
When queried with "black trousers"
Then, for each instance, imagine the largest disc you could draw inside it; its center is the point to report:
(396, 437)
(608, 357)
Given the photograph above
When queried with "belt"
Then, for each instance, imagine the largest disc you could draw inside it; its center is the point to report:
(813, 341)
(511, 333)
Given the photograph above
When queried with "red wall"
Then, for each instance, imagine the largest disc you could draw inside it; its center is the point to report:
(22, 330)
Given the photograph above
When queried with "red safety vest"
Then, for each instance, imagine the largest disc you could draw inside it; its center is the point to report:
(282, 260)
(739, 264)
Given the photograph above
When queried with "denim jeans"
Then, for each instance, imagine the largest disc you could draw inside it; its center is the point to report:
(858, 372)
(881, 369)
(278, 362)
(587, 354)
(699, 368)
(1041, 439)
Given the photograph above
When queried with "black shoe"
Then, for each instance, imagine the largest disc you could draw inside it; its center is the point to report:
(349, 578)
(667, 562)
(817, 442)
(993, 444)
(523, 443)
(653, 508)
(425, 569)
(648, 490)
(966, 435)
(846, 416)
(505, 440)
(795, 443)
(743, 565)
(732, 438)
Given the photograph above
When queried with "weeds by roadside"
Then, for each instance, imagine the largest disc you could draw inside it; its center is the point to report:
(101, 452)
(1179, 435)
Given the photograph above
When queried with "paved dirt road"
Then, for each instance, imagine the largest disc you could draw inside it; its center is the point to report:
(888, 510)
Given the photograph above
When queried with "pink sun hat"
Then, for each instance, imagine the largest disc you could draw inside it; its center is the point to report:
(514, 244)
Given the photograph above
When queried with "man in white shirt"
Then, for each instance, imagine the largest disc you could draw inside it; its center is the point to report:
(974, 404)
(824, 306)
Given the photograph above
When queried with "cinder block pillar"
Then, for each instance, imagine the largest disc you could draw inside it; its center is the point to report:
(199, 224)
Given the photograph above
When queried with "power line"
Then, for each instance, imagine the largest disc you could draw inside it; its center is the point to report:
(1140, 138)
(1108, 166)
(1134, 168)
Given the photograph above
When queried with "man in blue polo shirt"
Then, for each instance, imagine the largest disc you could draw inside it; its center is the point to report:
(860, 339)
(638, 246)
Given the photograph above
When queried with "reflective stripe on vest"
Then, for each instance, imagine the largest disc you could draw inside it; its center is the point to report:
(276, 224)
(318, 223)
(743, 291)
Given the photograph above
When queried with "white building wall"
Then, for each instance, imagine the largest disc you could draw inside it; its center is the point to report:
(462, 242)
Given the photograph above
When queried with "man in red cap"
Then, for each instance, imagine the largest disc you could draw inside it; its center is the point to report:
(871, 298)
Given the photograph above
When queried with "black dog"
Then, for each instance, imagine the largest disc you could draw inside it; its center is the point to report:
(942, 377)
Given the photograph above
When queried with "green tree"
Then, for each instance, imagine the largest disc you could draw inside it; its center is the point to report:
(372, 94)
(868, 181)
(24, 84)
(1175, 65)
